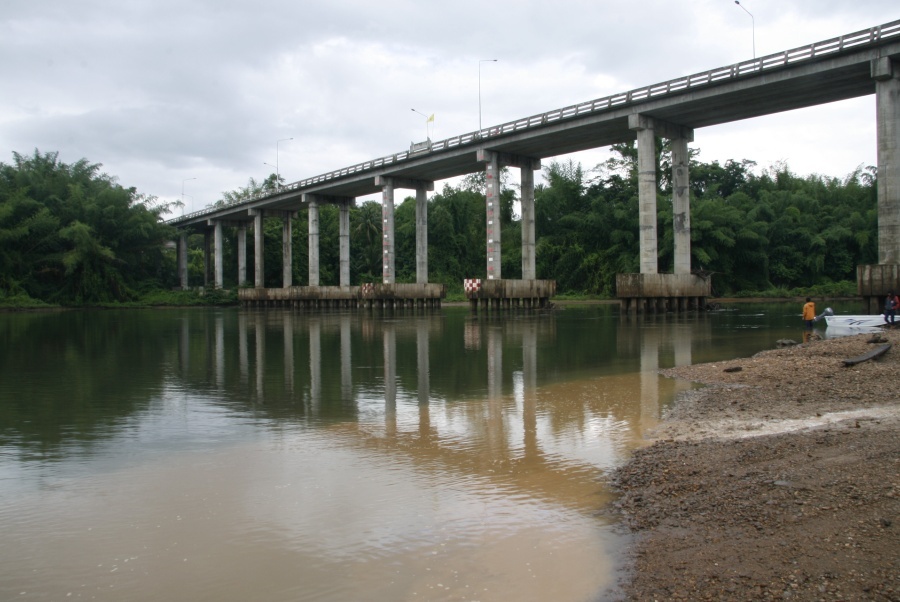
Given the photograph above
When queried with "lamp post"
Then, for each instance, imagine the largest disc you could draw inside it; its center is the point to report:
(479, 87)
(752, 25)
(277, 172)
(427, 119)
(182, 193)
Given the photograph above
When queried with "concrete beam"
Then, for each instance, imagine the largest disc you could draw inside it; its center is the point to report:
(410, 183)
(483, 155)
(664, 129)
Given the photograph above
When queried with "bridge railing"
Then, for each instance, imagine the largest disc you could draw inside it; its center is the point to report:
(873, 35)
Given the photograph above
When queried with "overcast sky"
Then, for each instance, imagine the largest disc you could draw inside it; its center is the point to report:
(161, 91)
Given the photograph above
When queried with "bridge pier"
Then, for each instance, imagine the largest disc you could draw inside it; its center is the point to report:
(497, 295)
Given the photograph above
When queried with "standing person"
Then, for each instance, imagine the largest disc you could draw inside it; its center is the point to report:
(809, 313)
(891, 303)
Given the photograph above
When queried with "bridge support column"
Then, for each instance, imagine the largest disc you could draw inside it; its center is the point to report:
(527, 200)
(388, 185)
(313, 239)
(492, 210)
(259, 279)
(887, 102)
(647, 235)
(287, 251)
(527, 165)
(242, 254)
(344, 240)
(647, 129)
(387, 230)
(218, 279)
(422, 234)
(182, 261)
(207, 258)
(681, 205)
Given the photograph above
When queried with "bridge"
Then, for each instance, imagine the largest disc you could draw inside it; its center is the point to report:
(857, 64)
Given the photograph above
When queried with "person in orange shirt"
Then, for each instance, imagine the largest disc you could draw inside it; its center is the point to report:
(809, 313)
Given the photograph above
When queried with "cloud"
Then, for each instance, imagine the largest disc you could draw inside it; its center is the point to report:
(163, 91)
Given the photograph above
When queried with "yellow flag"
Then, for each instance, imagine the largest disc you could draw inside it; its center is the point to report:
(430, 119)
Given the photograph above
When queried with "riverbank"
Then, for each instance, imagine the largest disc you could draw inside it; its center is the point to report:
(778, 480)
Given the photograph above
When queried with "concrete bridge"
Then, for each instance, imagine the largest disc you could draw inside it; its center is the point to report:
(857, 64)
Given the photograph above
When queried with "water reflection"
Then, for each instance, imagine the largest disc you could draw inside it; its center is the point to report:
(341, 456)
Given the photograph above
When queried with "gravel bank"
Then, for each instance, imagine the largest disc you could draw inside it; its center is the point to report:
(779, 480)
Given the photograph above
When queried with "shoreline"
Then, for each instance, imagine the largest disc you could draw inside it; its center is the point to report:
(779, 479)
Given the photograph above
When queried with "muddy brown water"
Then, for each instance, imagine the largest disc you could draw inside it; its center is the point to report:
(238, 455)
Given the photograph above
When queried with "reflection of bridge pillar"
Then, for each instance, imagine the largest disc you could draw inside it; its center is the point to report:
(260, 357)
(424, 376)
(495, 435)
(389, 339)
(220, 352)
(682, 343)
(185, 347)
(529, 388)
(649, 374)
(346, 357)
(313, 245)
(315, 363)
(288, 330)
(243, 356)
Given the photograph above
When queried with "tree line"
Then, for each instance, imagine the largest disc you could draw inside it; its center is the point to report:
(72, 235)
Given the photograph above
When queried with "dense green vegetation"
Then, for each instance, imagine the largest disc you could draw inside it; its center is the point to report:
(72, 235)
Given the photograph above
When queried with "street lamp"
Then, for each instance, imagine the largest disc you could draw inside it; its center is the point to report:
(182, 193)
(752, 25)
(479, 87)
(427, 120)
(277, 172)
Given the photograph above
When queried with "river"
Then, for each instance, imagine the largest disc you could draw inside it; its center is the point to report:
(227, 454)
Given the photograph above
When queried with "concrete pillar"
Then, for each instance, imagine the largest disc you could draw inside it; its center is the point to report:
(259, 279)
(681, 205)
(387, 231)
(182, 260)
(647, 198)
(527, 199)
(344, 241)
(313, 245)
(207, 258)
(492, 201)
(887, 114)
(421, 235)
(287, 255)
(217, 255)
(242, 254)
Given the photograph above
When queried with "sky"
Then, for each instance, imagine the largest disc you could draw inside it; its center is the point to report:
(189, 99)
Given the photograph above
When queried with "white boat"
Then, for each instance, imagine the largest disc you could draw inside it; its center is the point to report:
(849, 322)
